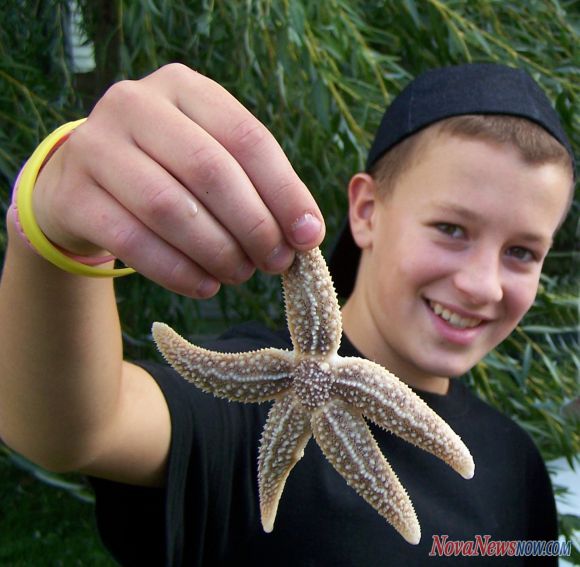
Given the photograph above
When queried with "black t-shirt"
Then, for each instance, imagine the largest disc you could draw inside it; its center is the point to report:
(208, 511)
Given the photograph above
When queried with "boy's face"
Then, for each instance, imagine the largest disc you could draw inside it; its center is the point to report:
(452, 257)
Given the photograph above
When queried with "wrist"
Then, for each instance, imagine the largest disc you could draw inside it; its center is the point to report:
(27, 225)
(52, 211)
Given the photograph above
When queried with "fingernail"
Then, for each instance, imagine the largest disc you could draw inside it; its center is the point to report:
(306, 229)
(207, 287)
(244, 272)
(279, 259)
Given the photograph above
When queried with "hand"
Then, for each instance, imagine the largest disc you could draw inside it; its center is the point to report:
(175, 177)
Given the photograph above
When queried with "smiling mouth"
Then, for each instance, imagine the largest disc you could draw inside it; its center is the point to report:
(452, 318)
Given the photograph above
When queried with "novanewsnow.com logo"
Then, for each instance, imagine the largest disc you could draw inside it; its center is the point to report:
(484, 546)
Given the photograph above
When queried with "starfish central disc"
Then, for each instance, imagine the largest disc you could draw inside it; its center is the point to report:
(312, 383)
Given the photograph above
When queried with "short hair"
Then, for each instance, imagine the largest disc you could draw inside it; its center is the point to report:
(535, 144)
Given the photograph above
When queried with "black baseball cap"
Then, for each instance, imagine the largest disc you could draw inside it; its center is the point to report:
(475, 88)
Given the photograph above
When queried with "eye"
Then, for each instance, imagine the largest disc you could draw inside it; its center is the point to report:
(452, 230)
(522, 254)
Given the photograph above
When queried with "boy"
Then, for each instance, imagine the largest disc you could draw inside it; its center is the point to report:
(453, 218)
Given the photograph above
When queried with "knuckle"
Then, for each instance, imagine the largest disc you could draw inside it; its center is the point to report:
(126, 241)
(261, 237)
(248, 135)
(223, 255)
(222, 260)
(122, 95)
(260, 229)
(286, 190)
(162, 203)
(178, 274)
(263, 233)
(173, 71)
(206, 164)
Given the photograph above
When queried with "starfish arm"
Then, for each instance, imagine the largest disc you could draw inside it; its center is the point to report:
(348, 444)
(254, 376)
(391, 404)
(312, 307)
(286, 433)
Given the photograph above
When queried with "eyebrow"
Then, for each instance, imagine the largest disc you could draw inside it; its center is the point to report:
(473, 216)
(459, 210)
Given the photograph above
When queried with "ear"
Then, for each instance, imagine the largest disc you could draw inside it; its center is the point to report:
(362, 200)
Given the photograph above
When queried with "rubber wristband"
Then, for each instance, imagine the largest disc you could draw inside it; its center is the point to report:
(87, 260)
(30, 228)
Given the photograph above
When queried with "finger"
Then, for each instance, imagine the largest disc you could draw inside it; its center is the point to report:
(101, 219)
(214, 177)
(252, 145)
(166, 208)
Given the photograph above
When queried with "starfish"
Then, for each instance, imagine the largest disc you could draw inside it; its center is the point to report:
(318, 393)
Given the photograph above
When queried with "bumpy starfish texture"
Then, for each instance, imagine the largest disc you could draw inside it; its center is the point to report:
(316, 392)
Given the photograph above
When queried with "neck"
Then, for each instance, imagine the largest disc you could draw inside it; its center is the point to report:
(358, 325)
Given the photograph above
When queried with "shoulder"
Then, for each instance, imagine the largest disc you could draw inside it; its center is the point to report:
(497, 437)
(487, 414)
(250, 336)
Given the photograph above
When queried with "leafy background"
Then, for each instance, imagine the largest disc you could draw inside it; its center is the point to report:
(318, 74)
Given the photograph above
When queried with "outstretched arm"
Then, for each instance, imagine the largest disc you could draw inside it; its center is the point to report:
(175, 177)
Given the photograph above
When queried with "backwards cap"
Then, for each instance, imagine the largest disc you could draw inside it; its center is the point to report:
(478, 88)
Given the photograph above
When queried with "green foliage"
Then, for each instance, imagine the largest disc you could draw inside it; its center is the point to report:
(43, 526)
(36, 90)
(318, 74)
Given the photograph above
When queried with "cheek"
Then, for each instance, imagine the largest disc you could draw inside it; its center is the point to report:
(425, 265)
(519, 299)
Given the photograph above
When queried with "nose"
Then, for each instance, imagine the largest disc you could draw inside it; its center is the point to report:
(479, 278)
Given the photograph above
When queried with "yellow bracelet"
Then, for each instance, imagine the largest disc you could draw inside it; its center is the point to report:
(30, 227)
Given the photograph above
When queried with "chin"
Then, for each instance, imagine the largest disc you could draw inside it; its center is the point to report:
(447, 368)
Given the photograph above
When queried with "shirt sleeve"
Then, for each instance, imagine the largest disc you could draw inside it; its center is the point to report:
(144, 525)
(211, 464)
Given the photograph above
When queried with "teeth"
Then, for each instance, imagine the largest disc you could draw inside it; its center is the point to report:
(453, 318)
